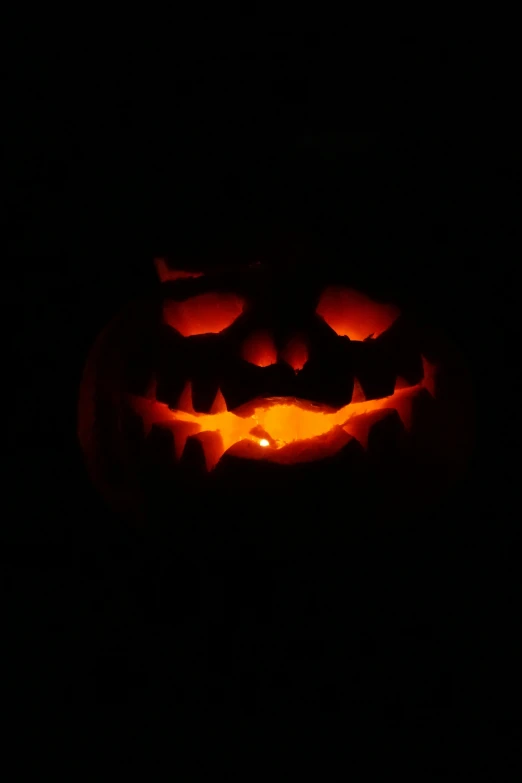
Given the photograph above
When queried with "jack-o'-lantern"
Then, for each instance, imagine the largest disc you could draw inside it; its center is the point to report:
(268, 378)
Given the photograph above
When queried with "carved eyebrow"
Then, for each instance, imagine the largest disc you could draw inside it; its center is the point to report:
(165, 273)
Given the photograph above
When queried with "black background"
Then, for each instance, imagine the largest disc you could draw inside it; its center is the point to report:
(411, 630)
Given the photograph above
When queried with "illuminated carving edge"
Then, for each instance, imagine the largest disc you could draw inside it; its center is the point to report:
(221, 431)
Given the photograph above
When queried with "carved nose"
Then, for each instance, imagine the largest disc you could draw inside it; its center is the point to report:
(259, 348)
(295, 352)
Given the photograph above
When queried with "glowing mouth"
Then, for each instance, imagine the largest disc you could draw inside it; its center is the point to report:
(284, 430)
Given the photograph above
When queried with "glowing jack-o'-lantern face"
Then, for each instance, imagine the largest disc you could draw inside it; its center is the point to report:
(260, 365)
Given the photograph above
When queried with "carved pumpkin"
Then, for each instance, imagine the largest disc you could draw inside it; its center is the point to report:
(269, 377)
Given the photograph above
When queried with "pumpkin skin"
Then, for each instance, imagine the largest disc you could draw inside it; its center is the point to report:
(268, 382)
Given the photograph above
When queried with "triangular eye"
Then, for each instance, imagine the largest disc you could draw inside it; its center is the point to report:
(204, 314)
(352, 314)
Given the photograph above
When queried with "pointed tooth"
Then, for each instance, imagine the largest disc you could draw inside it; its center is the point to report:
(219, 405)
(428, 380)
(193, 458)
(161, 269)
(359, 433)
(151, 412)
(138, 404)
(213, 448)
(147, 425)
(204, 392)
(152, 388)
(181, 431)
(165, 273)
(144, 409)
(359, 426)
(401, 383)
(185, 400)
(225, 399)
(357, 395)
(404, 408)
(147, 421)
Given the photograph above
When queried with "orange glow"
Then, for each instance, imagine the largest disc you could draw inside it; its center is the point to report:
(259, 349)
(354, 315)
(295, 353)
(358, 394)
(165, 273)
(204, 314)
(295, 430)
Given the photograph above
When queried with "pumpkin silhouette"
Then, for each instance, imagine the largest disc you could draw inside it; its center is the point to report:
(271, 378)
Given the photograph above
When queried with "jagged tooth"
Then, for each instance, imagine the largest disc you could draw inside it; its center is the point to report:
(181, 431)
(165, 273)
(161, 269)
(357, 395)
(151, 412)
(219, 405)
(152, 388)
(401, 383)
(136, 402)
(428, 380)
(213, 448)
(359, 433)
(141, 406)
(404, 409)
(193, 460)
(185, 400)
(147, 425)
(359, 426)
